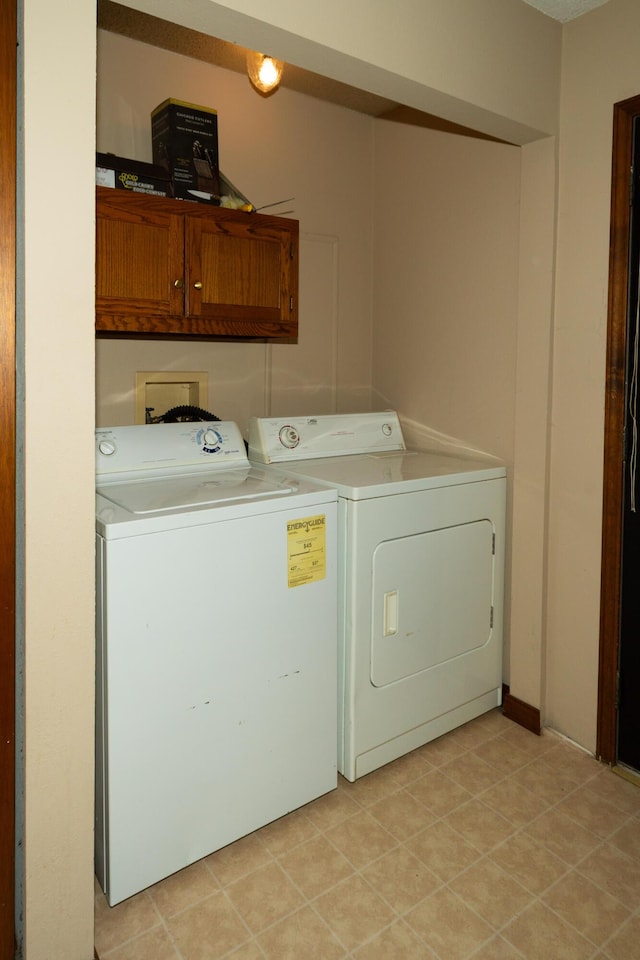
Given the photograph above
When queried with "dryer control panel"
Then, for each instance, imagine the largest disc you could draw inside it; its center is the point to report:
(280, 439)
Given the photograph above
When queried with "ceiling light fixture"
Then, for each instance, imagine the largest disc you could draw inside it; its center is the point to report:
(264, 72)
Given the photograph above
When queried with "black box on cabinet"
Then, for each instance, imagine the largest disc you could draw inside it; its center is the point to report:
(184, 139)
(132, 175)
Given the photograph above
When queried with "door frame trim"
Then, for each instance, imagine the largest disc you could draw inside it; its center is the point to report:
(624, 113)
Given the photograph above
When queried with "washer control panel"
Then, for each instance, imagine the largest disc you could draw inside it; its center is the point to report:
(167, 448)
(274, 440)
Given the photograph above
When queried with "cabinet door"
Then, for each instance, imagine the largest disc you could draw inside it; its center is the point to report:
(241, 274)
(139, 264)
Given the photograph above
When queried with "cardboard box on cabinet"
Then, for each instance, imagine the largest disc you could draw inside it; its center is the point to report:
(184, 139)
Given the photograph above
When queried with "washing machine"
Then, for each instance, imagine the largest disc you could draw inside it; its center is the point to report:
(216, 647)
(421, 578)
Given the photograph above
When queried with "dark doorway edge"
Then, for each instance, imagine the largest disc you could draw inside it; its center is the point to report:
(613, 493)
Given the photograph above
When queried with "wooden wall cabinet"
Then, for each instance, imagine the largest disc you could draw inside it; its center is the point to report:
(175, 268)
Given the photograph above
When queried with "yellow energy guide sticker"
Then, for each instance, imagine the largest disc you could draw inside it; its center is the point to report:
(307, 550)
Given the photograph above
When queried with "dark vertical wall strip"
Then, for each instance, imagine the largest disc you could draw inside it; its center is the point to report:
(624, 114)
(629, 656)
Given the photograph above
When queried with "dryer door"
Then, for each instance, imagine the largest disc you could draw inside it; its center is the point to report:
(432, 599)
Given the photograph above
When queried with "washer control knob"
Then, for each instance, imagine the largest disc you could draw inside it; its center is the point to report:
(210, 438)
(387, 429)
(289, 437)
(107, 448)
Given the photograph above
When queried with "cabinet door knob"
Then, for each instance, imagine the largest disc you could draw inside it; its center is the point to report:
(177, 284)
(198, 285)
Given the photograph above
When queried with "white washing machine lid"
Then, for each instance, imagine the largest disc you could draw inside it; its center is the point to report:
(136, 507)
(203, 489)
(364, 476)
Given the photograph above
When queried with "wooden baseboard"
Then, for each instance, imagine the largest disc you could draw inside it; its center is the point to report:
(521, 712)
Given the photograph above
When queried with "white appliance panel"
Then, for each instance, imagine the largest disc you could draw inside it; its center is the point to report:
(381, 723)
(300, 438)
(167, 448)
(220, 682)
(433, 599)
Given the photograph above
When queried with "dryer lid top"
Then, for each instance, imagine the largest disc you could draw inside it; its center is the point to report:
(365, 476)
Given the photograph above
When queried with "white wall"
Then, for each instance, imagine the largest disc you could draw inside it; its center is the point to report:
(532, 413)
(57, 283)
(446, 227)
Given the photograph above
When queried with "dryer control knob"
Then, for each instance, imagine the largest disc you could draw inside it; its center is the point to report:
(387, 429)
(289, 436)
(107, 448)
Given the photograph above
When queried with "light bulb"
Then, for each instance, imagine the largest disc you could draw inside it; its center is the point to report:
(264, 72)
(268, 74)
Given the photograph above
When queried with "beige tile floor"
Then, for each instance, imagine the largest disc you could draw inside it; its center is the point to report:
(488, 843)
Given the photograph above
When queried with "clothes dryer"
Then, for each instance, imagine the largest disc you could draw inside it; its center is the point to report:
(421, 578)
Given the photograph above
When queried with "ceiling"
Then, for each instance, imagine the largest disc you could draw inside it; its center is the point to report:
(131, 23)
(565, 10)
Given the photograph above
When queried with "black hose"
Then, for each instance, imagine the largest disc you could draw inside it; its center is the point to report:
(186, 414)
